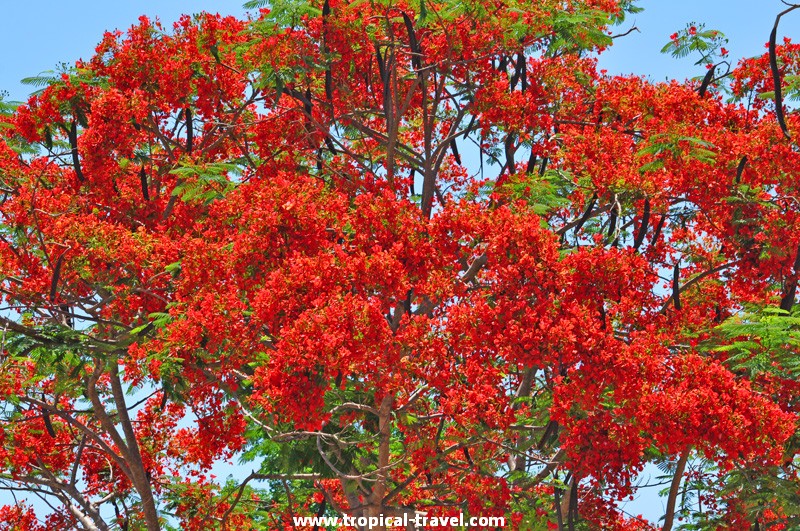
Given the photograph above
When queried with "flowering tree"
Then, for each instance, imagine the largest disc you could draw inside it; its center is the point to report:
(399, 257)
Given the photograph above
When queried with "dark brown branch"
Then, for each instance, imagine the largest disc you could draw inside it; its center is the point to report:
(94, 436)
(613, 218)
(454, 149)
(637, 242)
(669, 517)
(572, 513)
(416, 53)
(657, 232)
(707, 79)
(787, 302)
(473, 270)
(145, 187)
(189, 131)
(48, 425)
(138, 473)
(531, 163)
(740, 169)
(326, 11)
(577, 224)
(692, 281)
(381, 64)
(633, 28)
(320, 512)
(520, 72)
(676, 289)
(587, 214)
(56, 276)
(399, 488)
(72, 134)
(255, 476)
(557, 500)
(776, 74)
(510, 150)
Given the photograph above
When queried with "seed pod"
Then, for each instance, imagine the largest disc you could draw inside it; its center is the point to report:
(145, 187)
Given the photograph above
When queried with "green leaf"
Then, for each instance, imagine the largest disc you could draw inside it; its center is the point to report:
(206, 182)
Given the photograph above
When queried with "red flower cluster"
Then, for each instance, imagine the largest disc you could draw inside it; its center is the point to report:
(271, 239)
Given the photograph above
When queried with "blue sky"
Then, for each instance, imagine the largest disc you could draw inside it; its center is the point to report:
(746, 23)
(37, 36)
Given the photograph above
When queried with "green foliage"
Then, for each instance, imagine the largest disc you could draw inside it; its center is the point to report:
(205, 182)
(61, 76)
(16, 142)
(790, 89)
(60, 355)
(627, 7)
(761, 341)
(251, 502)
(761, 492)
(543, 193)
(695, 38)
(578, 31)
(300, 453)
(285, 13)
(42, 80)
(7, 108)
(674, 146)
